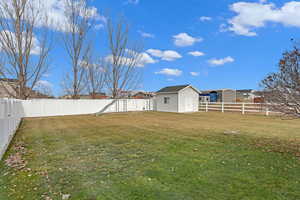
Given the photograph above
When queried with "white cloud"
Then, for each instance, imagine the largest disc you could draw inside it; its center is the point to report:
(55, 12)
(35, 47)
(184, 40)
(221, 61)
(146, 35)
(44, 87)
(205, 18)
(223, 27)
(194, 73)
(133, 1)
(46, 75)
(170, 72)
(168, 55)
(251, 16)
(44, 83)
(262, 1)
(144, 59)
(196, 53)
(99, 26)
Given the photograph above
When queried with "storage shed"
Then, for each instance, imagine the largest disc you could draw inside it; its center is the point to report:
(180, 98)
(223, 95)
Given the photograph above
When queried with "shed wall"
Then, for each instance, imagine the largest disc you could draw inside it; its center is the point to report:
(188, 100)
(161, 106)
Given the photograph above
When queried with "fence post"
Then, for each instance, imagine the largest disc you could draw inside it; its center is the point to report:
(222, 107)
(267, 111)
(206, 107)
(117, 105)
(243, 108)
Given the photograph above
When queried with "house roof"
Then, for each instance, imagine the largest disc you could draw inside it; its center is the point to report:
(175, 89)
(144, 93)
(245, 90)
(218, 90)
(8, 80)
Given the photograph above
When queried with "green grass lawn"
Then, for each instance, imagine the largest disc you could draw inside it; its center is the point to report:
(155, 156)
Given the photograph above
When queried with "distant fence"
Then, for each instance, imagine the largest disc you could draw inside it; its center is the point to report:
(244, 108)
(12, 111)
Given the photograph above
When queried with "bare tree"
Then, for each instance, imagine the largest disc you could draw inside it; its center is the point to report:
(282, 89)
(44, 88)
(77, 44)
(122, 64)
(95, 77)
(24, 46)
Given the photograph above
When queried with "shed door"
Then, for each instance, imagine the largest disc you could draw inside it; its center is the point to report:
(189, 104)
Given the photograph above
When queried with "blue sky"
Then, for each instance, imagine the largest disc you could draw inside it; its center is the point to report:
(209, 44)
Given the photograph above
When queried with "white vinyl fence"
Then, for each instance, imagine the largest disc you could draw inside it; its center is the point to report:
(12, 111)
(47, 108)
(244, 108)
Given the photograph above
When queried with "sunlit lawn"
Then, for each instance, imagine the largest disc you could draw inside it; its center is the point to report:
(155, 156)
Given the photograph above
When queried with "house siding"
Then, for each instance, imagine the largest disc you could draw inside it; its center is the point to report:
(229, 96)
(4, 87)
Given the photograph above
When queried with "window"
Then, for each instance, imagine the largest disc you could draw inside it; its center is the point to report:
(166, 100)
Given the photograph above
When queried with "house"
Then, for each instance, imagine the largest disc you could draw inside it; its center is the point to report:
(99, 95)
(131, 94)
(143, 95)
(259, 96)
(249, 96)
(180, 98)
(221, 95)
(126, 94)
(246, 95)
(8, 89)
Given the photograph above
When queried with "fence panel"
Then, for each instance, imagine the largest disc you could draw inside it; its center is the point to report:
(11, 113)
(47, 108)
(244, 108)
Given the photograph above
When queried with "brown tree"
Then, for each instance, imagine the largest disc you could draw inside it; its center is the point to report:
(282, 89)
(77, 44)
(95, 77)
(122, 72)
(24, 46)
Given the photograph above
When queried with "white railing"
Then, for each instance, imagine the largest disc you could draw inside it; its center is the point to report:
(12, 111)
(243, 108)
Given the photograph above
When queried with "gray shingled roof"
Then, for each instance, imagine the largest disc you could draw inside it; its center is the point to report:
(174, 89)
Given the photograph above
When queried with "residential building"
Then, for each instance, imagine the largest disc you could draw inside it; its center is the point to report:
(221, 95)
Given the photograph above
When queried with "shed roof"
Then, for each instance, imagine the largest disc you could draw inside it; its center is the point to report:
(175, 89)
